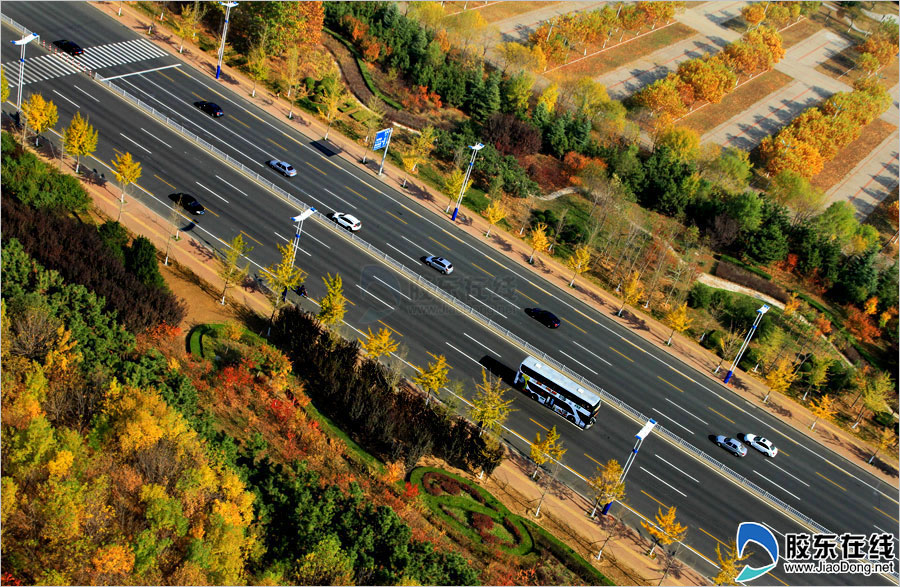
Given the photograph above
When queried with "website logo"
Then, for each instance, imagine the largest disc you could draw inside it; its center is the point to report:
(749, 532)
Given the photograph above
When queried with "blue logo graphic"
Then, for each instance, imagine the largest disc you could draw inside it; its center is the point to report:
(752, 532)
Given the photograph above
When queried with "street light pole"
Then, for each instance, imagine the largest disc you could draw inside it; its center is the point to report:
(22, 42)
(475, 148)
(228, 6)
(759, 314)
(640, 436)
(296, 245)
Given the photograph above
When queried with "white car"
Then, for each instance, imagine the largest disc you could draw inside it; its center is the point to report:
(440, 263)
(761, 444)
(347, 221)
(283, 167)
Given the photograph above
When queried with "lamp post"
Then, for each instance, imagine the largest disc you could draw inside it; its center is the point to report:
(228, 6)
(759, 314)
(475, 148)
(296, 245)
(640, 436)
(22, 42)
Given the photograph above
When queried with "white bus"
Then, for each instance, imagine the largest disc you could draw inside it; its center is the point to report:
(559, 393)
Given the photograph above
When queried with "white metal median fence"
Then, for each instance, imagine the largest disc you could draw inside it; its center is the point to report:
(451, 300)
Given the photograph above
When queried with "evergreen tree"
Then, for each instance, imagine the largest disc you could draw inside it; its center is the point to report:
(487, 100)
(557, 141)
(541, 117)
(579, 131)
(140, 259)
(857, 278)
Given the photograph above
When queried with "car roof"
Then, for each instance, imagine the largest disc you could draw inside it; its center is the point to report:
(350, 217)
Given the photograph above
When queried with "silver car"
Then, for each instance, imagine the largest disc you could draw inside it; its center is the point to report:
(761, 444)
(283, 167)
(732, 445)
(440, 263)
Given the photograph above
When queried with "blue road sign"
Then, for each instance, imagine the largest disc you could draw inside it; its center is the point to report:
(381, 139)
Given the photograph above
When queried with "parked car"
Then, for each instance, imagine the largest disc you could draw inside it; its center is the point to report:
(189, 203)
(761, 444)
(283, 167)
(545, 317)
(69, 47)
(440, 263)
(732, 445)
(210, 108)
(345, 220)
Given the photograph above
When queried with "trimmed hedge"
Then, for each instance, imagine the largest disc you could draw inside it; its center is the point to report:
(746, 266)
(735, 274)
(571, 559)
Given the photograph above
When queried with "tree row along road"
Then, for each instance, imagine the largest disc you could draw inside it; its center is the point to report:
(834, 492)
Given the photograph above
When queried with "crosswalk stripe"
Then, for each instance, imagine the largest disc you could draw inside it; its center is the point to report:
(57, 64)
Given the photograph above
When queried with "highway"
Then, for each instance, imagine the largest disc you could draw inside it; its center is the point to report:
(831, 490)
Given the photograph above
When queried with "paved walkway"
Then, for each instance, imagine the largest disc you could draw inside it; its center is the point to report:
(872, 180)
(707, 20)
(567, 508)
(517, 28)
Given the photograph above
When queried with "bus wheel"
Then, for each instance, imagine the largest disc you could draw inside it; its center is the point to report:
(535, 397)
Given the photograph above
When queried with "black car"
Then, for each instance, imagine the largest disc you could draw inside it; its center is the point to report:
(188, 202)
(545, 317)
(69, 47)
(210, 108)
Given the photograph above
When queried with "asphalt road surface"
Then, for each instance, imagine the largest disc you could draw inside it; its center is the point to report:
(824, 486)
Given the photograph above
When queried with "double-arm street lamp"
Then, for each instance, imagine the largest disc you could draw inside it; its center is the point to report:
(475, 148)
(228, 6)
(296, 244)
(22, 42)
(759, 314)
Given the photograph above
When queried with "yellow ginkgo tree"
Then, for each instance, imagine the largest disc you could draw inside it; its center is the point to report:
(666, 530)
(379, 344)
(40, 114)
(127, 172)
(579, 262)
(632, 291)
(434, 376)
(79, 139)
(539, 240)
(333, 305)
(678, 320)
(495, 212)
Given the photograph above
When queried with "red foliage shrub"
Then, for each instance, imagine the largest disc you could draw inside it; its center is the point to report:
(450, 485)
(371, 49)
(488, 539)
(432, 483)
(420, 99)
(412, 491)
(548, 172)
(860, 325)
(513, 529)
(476, 495)
(482, 522)
(511, 136)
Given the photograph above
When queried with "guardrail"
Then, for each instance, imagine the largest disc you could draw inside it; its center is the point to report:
(475, 314)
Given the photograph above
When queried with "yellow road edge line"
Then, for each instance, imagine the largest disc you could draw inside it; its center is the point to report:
(621, 355)
(316, 168)
(253, 239)
(439, 243)
(832, 482)
(394, 330)
(274, 143)
(398, 218)
(675, 386)
(241, 122)
(356, 192)
(480, 269)
(164, 181)
(632, 344)
(530, 298)
(887, 514)
(595, 460)
(165, 76)
(724, 416)
(539, 424)
(779, 580)
(578, 327)
(711, 536)
(654, 499)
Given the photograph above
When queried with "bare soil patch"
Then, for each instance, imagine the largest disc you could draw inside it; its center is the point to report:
(709, 117)
(623, 53)
(848, 157)
(804, 29)
(842, 66)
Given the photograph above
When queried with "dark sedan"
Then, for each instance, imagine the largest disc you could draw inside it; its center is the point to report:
(188, 202)
(545, 317)
(210, 108)
(69, 47)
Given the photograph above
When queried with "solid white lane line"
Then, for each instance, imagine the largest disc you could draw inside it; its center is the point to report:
(135, 143)
(232, 187)
(86, 94)
(885, 532)
(141, 72)
(67, 100)
(579, 362)
(410, 242)
(313, 198)
(289, 240)
(383, 282)
(487, 306)
(307, 235)
(671, 420)
(768, 460)
(685, 411)
(777, 485)
(593, 353)
(676, 468)
(339, 198)
(396, 356)
(402, 253)
(663, 482)
(210, 191)
(157, 138)
(376, 297)
(481, 345)
(501, 297)
(462, 353)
